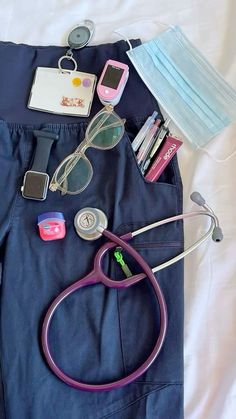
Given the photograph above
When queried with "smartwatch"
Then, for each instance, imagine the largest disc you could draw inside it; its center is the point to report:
(36, 180)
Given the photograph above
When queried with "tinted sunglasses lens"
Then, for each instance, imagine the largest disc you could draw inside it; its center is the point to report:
(74, 174)
(106, 131)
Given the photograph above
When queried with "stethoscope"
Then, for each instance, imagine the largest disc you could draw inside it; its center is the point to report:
(90, 224)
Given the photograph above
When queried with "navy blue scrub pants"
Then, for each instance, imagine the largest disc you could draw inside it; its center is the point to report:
(98, 334)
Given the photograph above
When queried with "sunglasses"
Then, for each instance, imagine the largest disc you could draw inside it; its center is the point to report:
(75, 172)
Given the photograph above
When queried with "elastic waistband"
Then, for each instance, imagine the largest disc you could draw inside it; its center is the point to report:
(18, 65)
(121, 44)
(57, 127)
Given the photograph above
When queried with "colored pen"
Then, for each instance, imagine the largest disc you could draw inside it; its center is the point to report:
(159, 138)
(143, 131)
(148, 142)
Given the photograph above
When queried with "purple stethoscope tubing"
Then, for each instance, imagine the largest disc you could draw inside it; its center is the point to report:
(97, 276)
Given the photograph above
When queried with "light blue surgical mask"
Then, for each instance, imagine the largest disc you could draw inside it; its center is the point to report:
(196, 97)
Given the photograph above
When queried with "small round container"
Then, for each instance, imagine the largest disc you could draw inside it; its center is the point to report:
(51, 226)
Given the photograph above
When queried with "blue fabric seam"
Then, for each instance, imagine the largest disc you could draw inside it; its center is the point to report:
(138, 399)
(120, 327)
(3, 385)
(17, 193)
(62, 126)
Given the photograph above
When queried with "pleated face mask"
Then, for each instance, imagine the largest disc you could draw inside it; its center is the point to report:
(196, 97)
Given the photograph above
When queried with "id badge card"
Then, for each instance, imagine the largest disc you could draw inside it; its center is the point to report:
(62, 92)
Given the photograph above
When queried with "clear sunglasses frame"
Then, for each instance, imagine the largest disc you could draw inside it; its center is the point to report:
(104, 120)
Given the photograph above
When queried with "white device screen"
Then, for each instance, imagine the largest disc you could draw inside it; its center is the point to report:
(112, 76)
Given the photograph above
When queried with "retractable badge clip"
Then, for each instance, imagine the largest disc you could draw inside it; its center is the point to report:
(78, 38)
(62, 90)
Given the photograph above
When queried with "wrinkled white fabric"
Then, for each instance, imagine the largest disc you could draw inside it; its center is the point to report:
(210, 284)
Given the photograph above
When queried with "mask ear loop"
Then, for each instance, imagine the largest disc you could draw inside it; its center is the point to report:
(214, 158)
(125, 38)
(147, 19)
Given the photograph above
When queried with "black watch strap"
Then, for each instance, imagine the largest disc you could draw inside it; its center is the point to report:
(45, 140)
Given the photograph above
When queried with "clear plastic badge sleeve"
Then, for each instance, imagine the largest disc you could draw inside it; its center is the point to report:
(63, 93)
(196, 97)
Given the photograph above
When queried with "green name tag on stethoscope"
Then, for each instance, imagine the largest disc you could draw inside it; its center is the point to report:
(61, 90)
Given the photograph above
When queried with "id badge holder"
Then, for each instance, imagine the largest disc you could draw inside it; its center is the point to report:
(63, 91)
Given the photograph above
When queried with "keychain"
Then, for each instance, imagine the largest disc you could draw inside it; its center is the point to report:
(78, 38)
(63, 91)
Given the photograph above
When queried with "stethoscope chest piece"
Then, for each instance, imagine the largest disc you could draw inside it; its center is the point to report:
(88, 223)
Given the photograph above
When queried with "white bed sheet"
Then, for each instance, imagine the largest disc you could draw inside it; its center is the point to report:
(210, 286)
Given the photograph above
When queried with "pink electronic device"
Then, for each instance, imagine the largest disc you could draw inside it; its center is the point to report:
(112, 82)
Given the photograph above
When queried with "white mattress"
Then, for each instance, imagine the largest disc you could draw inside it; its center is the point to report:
(210, 286)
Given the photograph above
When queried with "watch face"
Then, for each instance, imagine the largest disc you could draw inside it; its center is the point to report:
(35, 185)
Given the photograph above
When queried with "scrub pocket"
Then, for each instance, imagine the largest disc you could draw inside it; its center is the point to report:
(171, 173)
(138, 310)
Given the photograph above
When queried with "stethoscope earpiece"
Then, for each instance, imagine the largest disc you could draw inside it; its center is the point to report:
(217, 234)
(197, 198)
